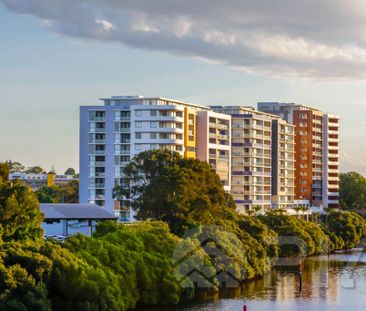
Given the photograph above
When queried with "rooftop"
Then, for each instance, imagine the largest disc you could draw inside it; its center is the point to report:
(75, 211)
(287, 105)
(140, 97)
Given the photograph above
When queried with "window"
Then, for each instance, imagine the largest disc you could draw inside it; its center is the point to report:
(154, 146)
(153, 135)
(153, 124)
(138, 124)
(138, 135)
(153, 113)
(138, 147)
(138, 113)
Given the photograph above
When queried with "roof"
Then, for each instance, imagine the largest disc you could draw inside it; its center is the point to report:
(140, 97)
(75, 211)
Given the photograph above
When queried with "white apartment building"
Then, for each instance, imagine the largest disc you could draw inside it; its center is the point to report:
(214, 143)
(112, 134)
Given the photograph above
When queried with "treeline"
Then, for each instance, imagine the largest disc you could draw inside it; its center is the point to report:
(17, 167)
(192, 225)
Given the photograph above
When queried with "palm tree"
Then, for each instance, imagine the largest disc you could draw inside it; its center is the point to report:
(298, 209)
(304, 209)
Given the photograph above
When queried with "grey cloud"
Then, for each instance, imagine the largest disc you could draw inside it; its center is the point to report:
(310, 38)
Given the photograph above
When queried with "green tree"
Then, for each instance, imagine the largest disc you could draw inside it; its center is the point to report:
(49, 194)
(70, 171)
(181, 192)
(35, 170)
(15, 167)
(20, 215)
(352, 191)
(348, 226)
(68, 193)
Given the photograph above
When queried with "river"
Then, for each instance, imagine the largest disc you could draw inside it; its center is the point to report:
(335, 283)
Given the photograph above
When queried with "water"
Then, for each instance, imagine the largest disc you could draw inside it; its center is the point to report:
(336, 283)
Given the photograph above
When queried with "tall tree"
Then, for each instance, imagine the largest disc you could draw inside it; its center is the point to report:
(182, 192)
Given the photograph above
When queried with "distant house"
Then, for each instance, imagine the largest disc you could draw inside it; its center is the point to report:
(37, 181)
(68, 219)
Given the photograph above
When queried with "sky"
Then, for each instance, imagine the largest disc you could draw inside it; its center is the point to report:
(58, 55)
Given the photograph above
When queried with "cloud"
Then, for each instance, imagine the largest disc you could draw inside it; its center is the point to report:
(307, 38)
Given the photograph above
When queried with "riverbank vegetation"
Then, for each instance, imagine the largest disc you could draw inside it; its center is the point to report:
(188, 223)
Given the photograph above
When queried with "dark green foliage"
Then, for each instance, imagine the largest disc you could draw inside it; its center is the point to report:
(70, 171)
(23, 277)
(297, 237)
(35, 170)
(348, 228)
(68, 193)
(182, 192)
(137, 262)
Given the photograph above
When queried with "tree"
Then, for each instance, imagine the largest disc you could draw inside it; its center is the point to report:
(68, 193)
(70, 171)
(352, 191)
(4, 172)
(348, 226)
(15, 167)
(20, 215)
(35, 170)
(49, 194)
(181, 192)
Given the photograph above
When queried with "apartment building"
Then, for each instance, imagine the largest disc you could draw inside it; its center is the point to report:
(113, 133)
(331, 161)
(316, 152)
(251, 164)
(283, 164)
(214, 143)
(37, 181)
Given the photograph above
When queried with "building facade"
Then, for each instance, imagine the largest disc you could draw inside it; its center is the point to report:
(283, 164)
(316, 152)
(252, 157)
(112, 134)
(214, 143)
(37, 181)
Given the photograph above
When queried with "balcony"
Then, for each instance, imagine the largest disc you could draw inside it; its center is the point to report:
(97, 163)
(97, 186)
(97, 152)
(97, 130)
(97, 141)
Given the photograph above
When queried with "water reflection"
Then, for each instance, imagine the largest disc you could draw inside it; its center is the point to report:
(325, 283)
